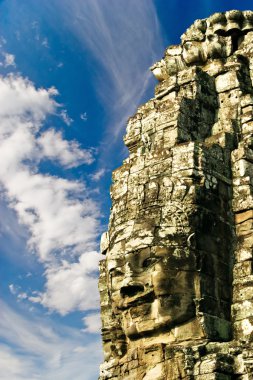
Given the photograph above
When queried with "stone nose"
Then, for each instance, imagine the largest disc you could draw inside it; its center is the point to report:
(131, 289)
(128, 269)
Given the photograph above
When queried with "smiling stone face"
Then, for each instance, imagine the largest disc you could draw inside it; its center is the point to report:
(166, 278)
(152, 290)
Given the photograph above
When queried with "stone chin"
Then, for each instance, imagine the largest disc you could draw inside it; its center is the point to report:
(138, 329)
(161, 319)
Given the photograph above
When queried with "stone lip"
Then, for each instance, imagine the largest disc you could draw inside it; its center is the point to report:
(128, 301)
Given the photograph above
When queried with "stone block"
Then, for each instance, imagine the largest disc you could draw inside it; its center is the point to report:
(243, 289)
(243, 330)
(243, 269)
(213, 376)
(216, 328)
(104, 243)
(227, 81)
(155, 373)
(243, 216)
(247, 127)
(242, 310)
(244, 252)
(214, 364)
(165, 87)
(244, 228)
(243, 168)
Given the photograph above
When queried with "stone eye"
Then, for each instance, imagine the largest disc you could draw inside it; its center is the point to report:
(148, 262)
(116, 272)
(210, 37)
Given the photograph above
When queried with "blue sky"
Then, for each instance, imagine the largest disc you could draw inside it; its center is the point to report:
(72, 72)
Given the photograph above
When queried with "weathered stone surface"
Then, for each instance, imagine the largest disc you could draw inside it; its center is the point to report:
(176, 284)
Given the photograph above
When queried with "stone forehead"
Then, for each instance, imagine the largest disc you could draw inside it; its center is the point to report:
(118, 256)
(220, 22)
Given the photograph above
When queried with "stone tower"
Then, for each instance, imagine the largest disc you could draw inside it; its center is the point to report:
(176, 284)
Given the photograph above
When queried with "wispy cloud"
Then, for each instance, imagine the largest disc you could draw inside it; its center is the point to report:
(66, 118)
(125, 39)
(61, 218)
(45, 43)
(84, 116)
(2, 41)
(36, 349)
(98, 174)
(9, 60)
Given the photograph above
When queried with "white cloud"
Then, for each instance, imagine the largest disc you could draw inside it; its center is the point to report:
(98, 174)
(45, 43)
(22, 296)
(19, 98)
(61, 219)
(9, 60)
(72, 286)
(68, 153)
(49, 206)
(2, 41)
(92, 323)
(37, 349)
(65, 117)
(12, 289)
(15, 291)
(84, 116)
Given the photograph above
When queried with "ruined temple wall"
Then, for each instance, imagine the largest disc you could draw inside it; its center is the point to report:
(176, 284)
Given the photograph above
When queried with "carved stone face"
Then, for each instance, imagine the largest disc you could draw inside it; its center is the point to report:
(152, 291)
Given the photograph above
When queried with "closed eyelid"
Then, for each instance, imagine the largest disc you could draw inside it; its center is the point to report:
(150, 261)
(116, 271)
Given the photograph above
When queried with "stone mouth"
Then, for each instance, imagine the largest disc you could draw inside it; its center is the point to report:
(135, 299)
(131, 290)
